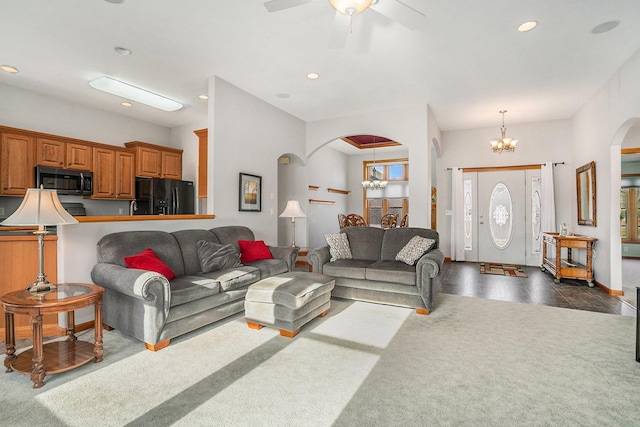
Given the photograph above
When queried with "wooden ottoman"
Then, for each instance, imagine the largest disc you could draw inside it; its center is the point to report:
(288, 301)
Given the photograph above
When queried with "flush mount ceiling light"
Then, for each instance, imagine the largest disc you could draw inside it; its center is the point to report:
(125, 90)
(126, 104)
(8, 68)
(527, 26)
(123, 50)
(605, 26)
(203, 97)
(313, 76)
(504, 143)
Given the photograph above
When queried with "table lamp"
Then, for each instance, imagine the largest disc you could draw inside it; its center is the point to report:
(293, 211)
(40, 207)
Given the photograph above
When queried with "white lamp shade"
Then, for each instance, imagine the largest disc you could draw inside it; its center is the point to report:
(350, 7)
(40, 207)
(292, 210)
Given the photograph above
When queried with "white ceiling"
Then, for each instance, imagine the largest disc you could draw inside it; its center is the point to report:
(466, 60)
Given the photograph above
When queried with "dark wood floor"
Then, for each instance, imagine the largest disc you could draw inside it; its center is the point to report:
(464, 278)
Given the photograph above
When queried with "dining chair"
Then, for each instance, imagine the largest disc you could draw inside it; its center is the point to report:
(355, 220)
(389, 221)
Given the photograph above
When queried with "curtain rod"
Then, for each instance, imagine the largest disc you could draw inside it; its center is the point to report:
(511, 167)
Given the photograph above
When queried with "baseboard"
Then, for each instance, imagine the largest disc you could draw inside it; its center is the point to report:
(612, 292)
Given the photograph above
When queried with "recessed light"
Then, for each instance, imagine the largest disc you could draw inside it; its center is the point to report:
(123, 50)
(115, 1)
(126, 104)
(527, 26)
(313, 76)
(282, 95)
(8, 68)
(203, 97)
(605, 26)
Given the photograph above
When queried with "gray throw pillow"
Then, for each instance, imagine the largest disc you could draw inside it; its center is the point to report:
(217, 257)
(338, 246)
(414, 249)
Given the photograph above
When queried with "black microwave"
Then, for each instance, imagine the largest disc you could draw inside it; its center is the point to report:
(66, 181)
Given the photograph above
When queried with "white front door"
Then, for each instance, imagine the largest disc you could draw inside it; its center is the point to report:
(501, 216)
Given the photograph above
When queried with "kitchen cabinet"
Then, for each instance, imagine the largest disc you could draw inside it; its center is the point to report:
(61, 154)
(17, 160)
(113, 174)
(156, 161)
(19, 266)
(558, 259)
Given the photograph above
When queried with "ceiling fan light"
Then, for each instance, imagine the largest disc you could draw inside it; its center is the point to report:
(350, 7)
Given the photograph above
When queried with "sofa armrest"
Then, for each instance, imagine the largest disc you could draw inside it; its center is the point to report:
(430, 263)
(318, 257)
(149, 287)
(287, 253)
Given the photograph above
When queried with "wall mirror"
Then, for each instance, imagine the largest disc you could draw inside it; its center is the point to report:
(586, 187)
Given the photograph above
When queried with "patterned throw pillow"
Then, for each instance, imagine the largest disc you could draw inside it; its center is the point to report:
(338, 246)
(413, 250)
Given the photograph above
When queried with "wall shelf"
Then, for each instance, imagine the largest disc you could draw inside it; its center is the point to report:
(313, 187)
(321, 202)
(335, 190)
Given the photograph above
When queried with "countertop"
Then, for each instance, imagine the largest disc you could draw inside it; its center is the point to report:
(118, 218)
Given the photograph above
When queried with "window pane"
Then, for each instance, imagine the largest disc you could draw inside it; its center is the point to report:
(396, 171)
(501, 217)
(375, 172)
(623, 213)
(468, 216)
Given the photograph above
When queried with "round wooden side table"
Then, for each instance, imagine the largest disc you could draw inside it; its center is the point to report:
(56, 356)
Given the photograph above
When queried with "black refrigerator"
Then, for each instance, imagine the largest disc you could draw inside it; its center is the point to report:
(158, 196)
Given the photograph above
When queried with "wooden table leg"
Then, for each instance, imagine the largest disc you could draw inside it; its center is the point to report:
(97, 325)
(9, 341)
(71, 326)
(38, 373)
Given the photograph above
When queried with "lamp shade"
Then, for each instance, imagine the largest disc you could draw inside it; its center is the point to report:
(292, 210)
(350, 7)
(40, 207)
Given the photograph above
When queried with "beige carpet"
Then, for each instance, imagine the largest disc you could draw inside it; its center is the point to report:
(473, 362)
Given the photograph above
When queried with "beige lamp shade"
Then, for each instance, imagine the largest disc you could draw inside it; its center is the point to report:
(40, 207)
(292, 210)
(350, 7)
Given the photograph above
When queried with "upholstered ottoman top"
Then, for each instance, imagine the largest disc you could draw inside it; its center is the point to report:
(293, 289)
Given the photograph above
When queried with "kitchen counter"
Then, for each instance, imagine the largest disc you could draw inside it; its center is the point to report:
(119, 218)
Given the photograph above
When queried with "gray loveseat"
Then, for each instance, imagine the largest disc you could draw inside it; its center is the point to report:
(147, 306)
(374, 275)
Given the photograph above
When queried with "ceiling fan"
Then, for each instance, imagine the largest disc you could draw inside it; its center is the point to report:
(347, 9)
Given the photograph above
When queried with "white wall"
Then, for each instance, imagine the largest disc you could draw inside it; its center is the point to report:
(408, 126)
(247, 135)
(599, 128)
(292, 185)
(538, 143)
(327, 168)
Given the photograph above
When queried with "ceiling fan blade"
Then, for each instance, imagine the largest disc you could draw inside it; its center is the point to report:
(340, 31)
(276, 5)
(400, 12)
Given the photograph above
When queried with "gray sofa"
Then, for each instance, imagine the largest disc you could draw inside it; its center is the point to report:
(374, 275)
(146, 306)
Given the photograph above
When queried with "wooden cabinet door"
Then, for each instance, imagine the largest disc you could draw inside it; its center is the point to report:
(17, 160)
(125, 175)
(148, 162)
(171, 165)
(103, 173)
(50, 152)
(79, 156)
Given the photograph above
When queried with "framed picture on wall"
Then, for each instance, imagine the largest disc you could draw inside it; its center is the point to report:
(250, 197)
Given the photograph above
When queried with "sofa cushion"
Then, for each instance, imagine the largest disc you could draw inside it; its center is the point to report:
(350, 268)
(214, 256)
(338, 246)
(190, 288)
(148, 260)
(414, 249)
(391, 271)
(188, 242)
(270, 267)
(365, 242)
(253, 250)
(230, 234)
(234, 278)
(396, 238)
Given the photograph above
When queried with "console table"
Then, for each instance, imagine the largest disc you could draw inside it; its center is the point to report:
(56, 356)
(555, 246)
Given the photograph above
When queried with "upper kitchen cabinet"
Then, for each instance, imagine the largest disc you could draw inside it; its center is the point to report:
(17, 160)
(156, 161)
(61, 154)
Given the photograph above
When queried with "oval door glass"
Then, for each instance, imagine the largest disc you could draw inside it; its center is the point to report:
(501, 216)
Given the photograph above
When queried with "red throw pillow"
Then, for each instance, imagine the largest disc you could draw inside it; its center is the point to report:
(251, 250)
(148, 260)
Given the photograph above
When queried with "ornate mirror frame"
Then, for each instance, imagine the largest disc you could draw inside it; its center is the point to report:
(586, 191)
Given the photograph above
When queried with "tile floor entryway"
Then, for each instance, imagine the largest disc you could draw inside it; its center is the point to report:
(464, 278)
